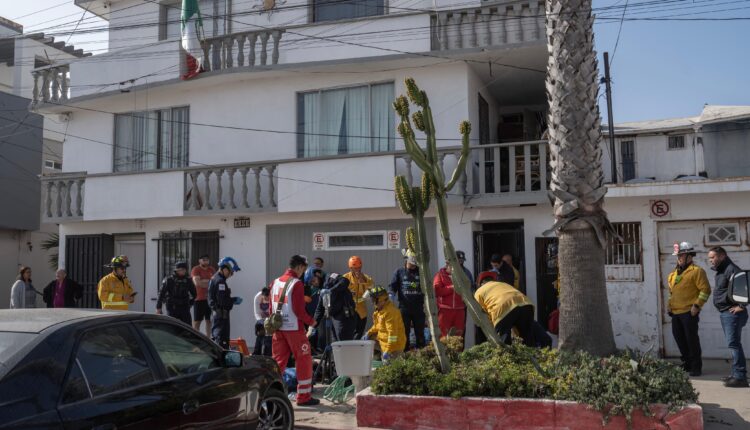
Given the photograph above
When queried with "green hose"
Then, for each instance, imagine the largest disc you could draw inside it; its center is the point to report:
(338, 392)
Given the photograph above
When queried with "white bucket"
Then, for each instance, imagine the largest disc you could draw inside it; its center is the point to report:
(353, 357)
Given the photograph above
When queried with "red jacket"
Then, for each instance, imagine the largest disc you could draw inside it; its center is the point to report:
(298, 300)
(447, 297)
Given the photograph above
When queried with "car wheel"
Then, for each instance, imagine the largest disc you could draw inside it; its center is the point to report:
(276, 412)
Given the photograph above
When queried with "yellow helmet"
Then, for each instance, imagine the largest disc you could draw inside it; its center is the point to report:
(377, 292)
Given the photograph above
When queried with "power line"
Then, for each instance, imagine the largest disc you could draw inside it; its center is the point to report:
(619, 31)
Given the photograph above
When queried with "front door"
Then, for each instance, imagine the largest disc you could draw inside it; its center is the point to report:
(85, 258)
(135, 249)
(500, 238)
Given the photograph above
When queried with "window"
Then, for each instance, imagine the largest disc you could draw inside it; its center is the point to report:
(215, 14)
(676, 142)
(328, 10)
(52, 164)
(624, 259)
(151, 140)
(346, 121)
(627, 153)
(722, 234)
(187, 246)
(181, 352)
(109, 359)
(359, 240)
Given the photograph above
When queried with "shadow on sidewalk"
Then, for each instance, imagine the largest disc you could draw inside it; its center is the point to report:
(715, 418)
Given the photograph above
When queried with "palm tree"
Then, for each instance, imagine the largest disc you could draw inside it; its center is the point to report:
(52, 242)
(577, 188)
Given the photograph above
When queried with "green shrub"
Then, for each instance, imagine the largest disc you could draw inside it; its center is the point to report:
(616, 385)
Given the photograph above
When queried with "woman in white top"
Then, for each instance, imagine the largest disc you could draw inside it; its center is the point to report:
(23, 294)
(262, 308)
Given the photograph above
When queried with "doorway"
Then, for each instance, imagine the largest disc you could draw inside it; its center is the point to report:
(546, 275)
(134, 246)
(500, 238)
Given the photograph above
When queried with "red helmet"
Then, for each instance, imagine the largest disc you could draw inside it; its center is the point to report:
(486, 275)
(355, 262)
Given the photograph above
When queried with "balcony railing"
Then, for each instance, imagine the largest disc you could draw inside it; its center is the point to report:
(62, 197)
(494, 25)
(231, 188)
(51, 84)
(232, 50)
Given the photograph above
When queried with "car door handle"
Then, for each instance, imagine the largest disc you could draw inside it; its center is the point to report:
(190, 406)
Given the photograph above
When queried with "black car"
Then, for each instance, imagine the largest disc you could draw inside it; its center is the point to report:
(107, 370)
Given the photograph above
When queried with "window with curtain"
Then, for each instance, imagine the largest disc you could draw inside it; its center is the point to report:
(346, 121)
(151, 140)
(333, 10)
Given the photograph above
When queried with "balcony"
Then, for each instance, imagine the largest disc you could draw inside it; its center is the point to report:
(498, 174)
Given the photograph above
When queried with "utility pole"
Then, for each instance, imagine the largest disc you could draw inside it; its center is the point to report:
(610, 122)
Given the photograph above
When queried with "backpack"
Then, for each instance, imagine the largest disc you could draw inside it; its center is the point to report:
(274, 321)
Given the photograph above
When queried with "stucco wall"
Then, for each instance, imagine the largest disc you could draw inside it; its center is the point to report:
(726, 149)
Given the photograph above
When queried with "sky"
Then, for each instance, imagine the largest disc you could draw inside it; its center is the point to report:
(661, 69)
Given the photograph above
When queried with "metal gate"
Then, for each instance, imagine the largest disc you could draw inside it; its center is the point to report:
(500, 238)
(187, 246)
(85, 257)
(546, 275)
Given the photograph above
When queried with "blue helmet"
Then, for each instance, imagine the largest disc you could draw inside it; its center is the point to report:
(229, 263)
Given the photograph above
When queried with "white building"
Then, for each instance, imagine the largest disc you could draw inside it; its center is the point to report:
(30, 145)
(287, 145)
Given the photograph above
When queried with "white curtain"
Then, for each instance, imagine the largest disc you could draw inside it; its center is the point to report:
(332, 105)
(174, 138)
(136, 137)
(383, 118)
(357, 117)
(311, 126)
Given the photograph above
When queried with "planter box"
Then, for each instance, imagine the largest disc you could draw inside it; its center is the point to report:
(401, 412)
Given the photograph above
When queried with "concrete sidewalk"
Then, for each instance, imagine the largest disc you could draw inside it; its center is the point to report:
(723, 408)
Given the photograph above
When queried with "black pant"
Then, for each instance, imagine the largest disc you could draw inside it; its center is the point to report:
(262, 342)
(220, 331)
(522, 318)
(685, 332)
(344, 329)
(181, 313)
(359, 331)
(415, 318)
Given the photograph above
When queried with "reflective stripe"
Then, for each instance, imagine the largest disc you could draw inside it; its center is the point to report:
(110, 298)
(115, 304)
(703, 296)
(303, 390)
(305, 382)
(392, 338)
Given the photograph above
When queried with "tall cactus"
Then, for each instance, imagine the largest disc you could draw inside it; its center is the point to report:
(427, 160)
(415, 202)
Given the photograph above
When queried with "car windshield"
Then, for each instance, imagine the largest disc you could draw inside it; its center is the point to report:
(11, 342)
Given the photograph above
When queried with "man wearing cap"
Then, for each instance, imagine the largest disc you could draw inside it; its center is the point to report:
(178, 293)
(405, 285)
(202, 274)
(688, 292)
(504, 272)
(461, 257)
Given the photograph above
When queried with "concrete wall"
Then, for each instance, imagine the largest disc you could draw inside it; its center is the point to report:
(24, 248)
(134, 196)
(26, 51)
(653, 159)
(726, 149)
(6, 78)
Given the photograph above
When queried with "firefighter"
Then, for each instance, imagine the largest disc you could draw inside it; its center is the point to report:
(114, 290)
(221, 302)
(178, 292)
(359, 283)
(688, 292)
(388, 326)
(507, 308)
(288, 297)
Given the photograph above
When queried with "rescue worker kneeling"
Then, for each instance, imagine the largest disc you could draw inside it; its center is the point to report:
(507, 308)
(178, 292)
(388, 326)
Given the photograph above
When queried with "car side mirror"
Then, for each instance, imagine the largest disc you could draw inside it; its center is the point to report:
(740, 289)
(232, 359)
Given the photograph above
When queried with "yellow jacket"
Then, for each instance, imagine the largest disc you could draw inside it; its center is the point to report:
(516, 279)
(114, 293)
(688, 289)
(358, 291)
(498, 299)
(389, 328)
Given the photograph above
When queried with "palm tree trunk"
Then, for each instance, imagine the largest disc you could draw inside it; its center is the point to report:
(577, 187)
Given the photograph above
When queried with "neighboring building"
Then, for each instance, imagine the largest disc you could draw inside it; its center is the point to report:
(287, 145)
(30, 145)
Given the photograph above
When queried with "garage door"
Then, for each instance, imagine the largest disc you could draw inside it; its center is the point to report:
(732, 235)
(380, 259)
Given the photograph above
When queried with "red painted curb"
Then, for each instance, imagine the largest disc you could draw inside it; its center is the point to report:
(401, 412)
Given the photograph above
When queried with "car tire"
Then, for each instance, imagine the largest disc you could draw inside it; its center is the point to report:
(275, 411)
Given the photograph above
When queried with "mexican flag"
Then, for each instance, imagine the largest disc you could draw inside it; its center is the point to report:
(192, 34)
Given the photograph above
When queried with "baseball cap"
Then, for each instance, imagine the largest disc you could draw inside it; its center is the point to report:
(460, 255)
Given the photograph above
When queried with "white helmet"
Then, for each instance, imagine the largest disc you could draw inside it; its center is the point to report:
(683, 248)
